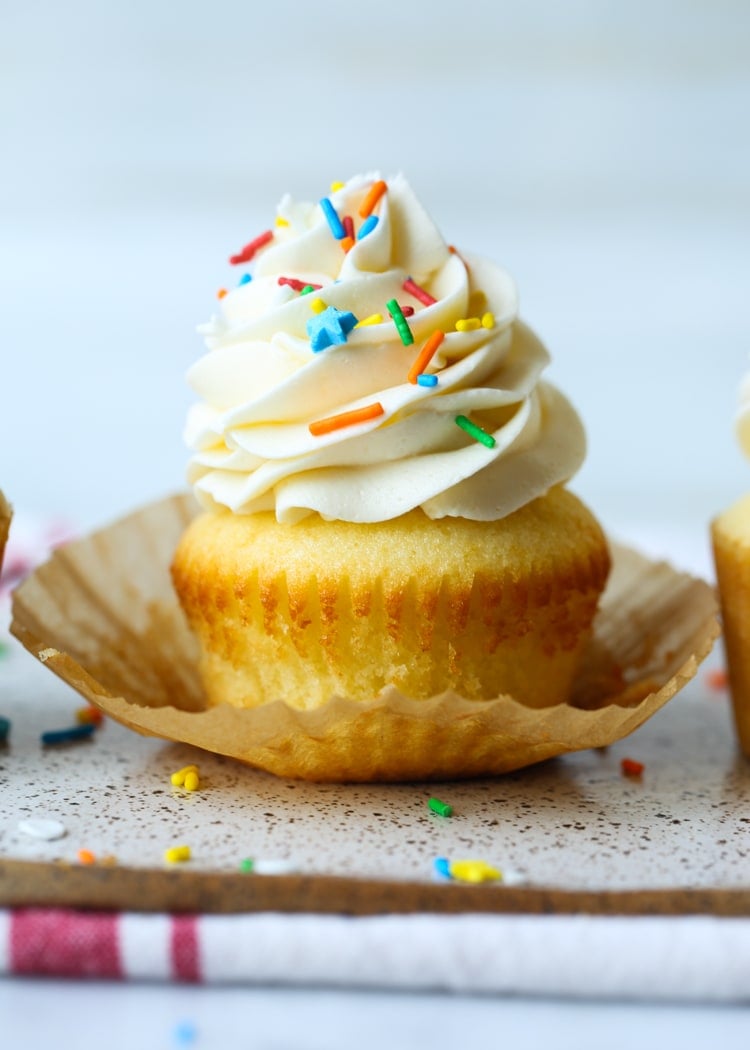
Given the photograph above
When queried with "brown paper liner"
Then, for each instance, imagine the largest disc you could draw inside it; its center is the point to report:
(102, 615)
(6, 513)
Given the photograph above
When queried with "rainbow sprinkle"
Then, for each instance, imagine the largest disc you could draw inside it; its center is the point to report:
(346, 419)
(246, 254)
(330, 327)
(414, 289)
(367, 226)
(400, 322)
(468, 324)
(425, 355)
(475, 431)
(297, 285)
(374, 194)
(332, 218)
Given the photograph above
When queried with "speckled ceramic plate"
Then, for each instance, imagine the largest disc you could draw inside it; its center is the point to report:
(102, 615)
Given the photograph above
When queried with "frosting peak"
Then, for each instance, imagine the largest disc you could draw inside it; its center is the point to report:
(318, 393)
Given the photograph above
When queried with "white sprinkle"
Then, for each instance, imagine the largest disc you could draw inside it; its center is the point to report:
(274, 867)
(47, 654)
(513, 878)
(42, 828)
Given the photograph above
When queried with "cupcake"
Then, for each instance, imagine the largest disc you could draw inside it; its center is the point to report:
(730, 533)
(381, 469)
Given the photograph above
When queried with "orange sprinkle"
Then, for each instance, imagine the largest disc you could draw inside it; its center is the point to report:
(221, 293)
(85, 856)
(88, 715)
(631, 768)
(717, 679)
(347, 243)
(346, 419)
(375, 193)
(425, 355)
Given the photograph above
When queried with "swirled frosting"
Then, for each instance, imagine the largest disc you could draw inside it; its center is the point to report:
(262, 384)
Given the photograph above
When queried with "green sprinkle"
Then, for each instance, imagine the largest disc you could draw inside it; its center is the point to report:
(247, 865)
(476, 432)
(443, 809)
(4, 730)
(307, 289)
(400, 322)
(4, 650)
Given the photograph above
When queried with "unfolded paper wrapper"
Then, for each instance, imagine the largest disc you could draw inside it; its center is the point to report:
(103, 616)
(5, 515)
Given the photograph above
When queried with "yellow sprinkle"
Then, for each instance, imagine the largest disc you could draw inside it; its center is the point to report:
(176, 854)
(317, 306)
(281, 221)
(192, 783)
(372, 319)
(474, 871)
(178, 778)
(488, 320)
(468, 324)
(337, 186)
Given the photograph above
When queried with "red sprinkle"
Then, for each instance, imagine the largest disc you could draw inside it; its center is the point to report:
(348, 222)
(419, 293)
(717, 679)
(298, 285)
(407, 311)
(631, 768)
(247, 253)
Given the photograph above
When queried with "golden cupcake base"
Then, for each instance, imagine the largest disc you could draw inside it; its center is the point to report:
(730, 533)
(103, 616)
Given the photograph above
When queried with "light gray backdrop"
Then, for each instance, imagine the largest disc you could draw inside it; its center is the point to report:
(600, 150)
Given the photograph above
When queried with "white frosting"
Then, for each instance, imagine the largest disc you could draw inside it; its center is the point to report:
(261, 384)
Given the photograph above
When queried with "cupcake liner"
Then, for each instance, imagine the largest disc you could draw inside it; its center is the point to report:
(6, 513)
(103, 616)
(731, 551)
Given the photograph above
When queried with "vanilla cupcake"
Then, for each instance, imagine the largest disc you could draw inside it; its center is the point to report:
(730, 533)
(381, 468)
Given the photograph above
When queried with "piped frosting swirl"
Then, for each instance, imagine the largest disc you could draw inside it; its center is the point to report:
(282, 359)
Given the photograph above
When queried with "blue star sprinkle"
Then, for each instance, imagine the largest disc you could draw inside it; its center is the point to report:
(329, 328)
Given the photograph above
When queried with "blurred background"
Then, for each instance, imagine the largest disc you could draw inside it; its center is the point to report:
(599, 150)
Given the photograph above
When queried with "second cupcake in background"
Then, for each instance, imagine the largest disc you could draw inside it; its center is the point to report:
(381, 468)
(730, 533)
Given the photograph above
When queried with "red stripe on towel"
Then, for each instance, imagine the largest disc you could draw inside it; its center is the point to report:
(184, 948)
(64, 943)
